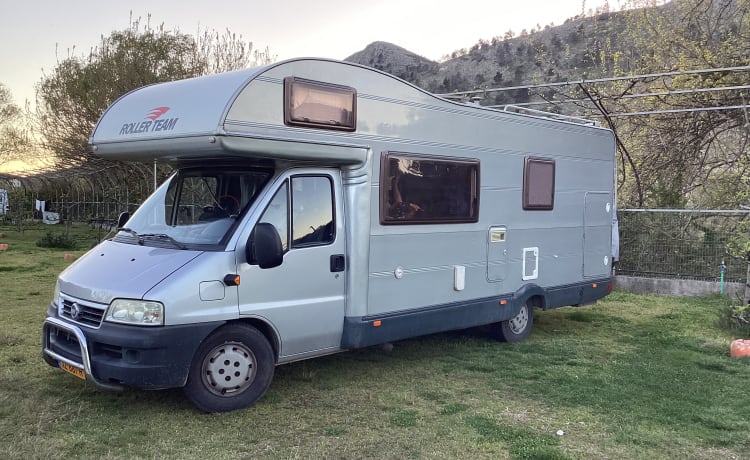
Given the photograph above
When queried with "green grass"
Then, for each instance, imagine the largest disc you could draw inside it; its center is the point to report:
(633, 377)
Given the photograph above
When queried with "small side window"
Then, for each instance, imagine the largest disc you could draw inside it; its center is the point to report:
(315, 104)
(538, 184)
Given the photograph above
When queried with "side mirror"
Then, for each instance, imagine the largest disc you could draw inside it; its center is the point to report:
(264, 246)
(122, 219)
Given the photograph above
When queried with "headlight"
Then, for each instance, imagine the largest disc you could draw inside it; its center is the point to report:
(138, 312)
(56, 294)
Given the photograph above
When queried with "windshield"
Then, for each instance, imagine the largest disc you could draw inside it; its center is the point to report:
(194, 207)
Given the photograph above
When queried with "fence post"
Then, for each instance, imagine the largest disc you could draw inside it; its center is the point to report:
(746, 300)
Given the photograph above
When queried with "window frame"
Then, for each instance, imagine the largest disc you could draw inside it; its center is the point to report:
(288, 241)
(386, 177)
(290, 204)
(530, 183)
(289, 120)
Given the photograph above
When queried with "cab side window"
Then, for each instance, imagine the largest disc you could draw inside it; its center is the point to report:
(277, 214)
(311, 216)
(312, 211)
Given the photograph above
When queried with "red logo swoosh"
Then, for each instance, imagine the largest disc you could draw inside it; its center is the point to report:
(156, 112)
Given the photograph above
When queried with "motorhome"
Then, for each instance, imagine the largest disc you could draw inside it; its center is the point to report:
(320, 206)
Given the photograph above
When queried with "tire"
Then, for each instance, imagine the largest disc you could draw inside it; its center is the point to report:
(232, 369)
(517, 328)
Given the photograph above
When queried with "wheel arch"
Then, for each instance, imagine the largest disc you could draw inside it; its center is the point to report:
(265, 328)
(268, 331)
(532, 295)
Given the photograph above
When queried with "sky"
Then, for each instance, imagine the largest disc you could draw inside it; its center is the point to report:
(35, 34)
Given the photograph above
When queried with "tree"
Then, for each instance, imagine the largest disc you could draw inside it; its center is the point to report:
(12, 137)
(71, 99)
(739, 243)
(687, 155)
(679, 157)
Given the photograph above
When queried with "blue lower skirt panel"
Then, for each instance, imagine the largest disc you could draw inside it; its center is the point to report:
(363, 331)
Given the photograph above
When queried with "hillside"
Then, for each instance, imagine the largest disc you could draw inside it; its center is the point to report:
(556, 53)
(394, 60)
(682, 133)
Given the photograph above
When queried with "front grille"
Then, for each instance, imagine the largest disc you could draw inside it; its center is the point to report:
(81, 312)
(64, 343)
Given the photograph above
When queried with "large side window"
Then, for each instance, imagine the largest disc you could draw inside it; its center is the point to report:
(418, 189)
(538, 184)
(311, 214)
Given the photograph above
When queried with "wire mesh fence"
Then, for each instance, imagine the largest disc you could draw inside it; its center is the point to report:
(681, 244)
(655, 243)
(75, 206)
(77, 195)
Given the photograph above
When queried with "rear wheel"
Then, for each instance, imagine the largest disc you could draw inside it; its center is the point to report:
(516, 328)
(232, 369)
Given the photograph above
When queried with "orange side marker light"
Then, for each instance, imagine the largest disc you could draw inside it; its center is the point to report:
(232, 280)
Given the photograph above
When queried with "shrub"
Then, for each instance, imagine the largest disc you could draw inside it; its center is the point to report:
(737, 318)
(60, 241)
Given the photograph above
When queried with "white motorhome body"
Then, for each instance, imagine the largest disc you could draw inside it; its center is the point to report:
(320, 206)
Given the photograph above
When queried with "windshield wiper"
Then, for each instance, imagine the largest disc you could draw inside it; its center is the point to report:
(160, 236)
(128, 230)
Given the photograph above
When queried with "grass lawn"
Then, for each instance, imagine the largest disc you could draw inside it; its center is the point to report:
(631, 377)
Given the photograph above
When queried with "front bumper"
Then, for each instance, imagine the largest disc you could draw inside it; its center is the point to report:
(114, 356)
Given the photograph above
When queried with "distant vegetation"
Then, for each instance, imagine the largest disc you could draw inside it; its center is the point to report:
(686, 150)
(697, 159)
(72, 96)
(678, 157)
(57, 241)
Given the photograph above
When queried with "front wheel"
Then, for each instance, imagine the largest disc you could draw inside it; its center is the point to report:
(232, 369)
(516, 328)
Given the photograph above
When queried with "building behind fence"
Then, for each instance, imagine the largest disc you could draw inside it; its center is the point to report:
(681, 244)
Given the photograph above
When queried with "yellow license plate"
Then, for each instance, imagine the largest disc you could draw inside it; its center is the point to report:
(73, 370)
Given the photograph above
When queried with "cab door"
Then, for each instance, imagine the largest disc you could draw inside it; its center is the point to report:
(303, 297)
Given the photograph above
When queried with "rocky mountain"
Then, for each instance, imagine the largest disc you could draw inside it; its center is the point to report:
(395, 60)
(580, 48)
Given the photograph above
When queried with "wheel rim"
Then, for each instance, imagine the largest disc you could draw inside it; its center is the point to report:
(519, 323)
(229, 369)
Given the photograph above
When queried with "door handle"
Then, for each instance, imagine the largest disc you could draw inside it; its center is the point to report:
(338, 263)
